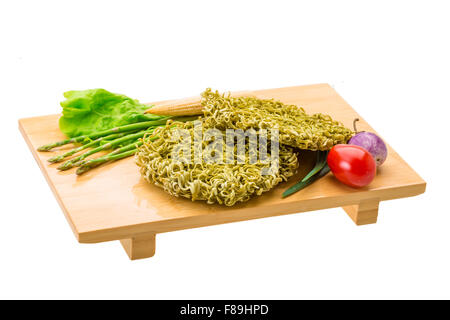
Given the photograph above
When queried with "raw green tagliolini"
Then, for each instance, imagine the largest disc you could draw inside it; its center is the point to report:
(213, 182)
(297, 129)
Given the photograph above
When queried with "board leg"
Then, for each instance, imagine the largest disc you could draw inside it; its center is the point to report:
(139, 247)
(366, 212)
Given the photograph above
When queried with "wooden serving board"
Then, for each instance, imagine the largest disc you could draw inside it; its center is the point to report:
(113, 202)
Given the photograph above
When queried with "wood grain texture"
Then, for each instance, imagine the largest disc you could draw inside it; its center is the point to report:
(366, 212)
(140, 247)
(113, 202)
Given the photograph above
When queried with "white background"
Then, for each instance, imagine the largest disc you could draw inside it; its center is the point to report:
(388, 59)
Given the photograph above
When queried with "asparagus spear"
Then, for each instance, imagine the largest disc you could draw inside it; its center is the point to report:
(78, 160)
(100, 160)
(61, 157)
(126, 128)
(109, 157)
(89, 164)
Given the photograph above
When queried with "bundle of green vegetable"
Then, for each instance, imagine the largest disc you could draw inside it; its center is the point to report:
(97, 120)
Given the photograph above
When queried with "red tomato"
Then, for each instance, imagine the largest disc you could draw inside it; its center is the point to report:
(352, 165)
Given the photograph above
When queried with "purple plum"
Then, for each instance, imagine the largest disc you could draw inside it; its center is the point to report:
(372, 143)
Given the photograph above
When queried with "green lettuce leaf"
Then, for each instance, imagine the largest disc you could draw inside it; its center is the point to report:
(87, 111)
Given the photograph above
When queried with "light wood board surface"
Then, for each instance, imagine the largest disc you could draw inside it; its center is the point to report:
(113, 202)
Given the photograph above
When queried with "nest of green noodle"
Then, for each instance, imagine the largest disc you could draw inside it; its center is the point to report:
(212, 182)
(297, 128)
